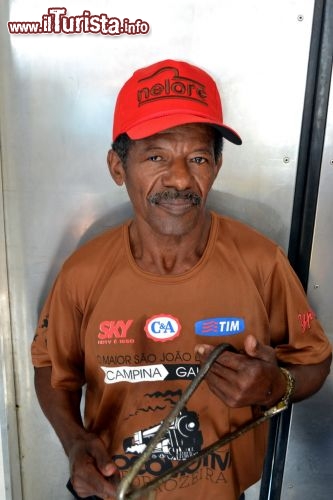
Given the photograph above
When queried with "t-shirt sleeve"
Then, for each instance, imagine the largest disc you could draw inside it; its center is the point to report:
(57, 339)
(295, 332)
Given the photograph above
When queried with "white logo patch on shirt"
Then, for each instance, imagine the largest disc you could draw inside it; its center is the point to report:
(162, 327)
(133, 374)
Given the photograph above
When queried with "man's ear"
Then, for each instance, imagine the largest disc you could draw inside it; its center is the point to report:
(116, 168)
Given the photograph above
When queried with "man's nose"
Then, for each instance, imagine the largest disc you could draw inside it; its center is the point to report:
(178, 175)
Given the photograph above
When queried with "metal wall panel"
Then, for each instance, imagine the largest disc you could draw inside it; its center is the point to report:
(320, 289)
(309, 458)
(57, 97)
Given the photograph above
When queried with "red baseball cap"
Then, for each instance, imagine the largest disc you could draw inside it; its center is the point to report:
(167, 94)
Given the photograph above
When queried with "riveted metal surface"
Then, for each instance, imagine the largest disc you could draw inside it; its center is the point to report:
(57, 98)
(310, 452)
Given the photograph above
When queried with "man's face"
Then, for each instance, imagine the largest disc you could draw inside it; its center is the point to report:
(168, 177)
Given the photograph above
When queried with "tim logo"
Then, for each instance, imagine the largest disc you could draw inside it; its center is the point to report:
(162, 327)
(216, 327)
(167, 83)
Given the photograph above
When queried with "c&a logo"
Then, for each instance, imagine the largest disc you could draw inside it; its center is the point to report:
(162, 327)
(167, 83)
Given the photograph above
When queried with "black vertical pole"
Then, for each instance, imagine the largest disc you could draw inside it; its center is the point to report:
(304, 207)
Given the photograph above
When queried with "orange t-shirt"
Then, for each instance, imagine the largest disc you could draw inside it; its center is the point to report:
(129, 335)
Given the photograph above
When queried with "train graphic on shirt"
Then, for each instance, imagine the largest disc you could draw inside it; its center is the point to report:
(182, 440)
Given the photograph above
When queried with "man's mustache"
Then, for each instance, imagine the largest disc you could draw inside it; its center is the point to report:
(169, 195)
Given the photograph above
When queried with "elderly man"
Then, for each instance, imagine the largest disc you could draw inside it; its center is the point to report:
(135, 311)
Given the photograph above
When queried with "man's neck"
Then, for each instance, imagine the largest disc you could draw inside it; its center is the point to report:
(168, 254)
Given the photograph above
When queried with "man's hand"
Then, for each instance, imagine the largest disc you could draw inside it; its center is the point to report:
(249, 378)
(92, 471)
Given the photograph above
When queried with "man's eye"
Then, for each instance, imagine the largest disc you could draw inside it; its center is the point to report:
(198, 160)
(155, 158)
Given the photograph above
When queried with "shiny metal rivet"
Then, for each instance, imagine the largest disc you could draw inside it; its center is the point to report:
(331, 162)
(315, 286)
(300, 17)
(286, 159)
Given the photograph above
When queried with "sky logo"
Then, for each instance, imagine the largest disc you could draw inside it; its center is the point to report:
(216, 327)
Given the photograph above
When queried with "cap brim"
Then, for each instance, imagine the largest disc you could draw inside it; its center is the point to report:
(158, 124)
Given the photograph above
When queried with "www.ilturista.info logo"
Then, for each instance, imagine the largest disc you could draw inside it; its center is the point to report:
(56, 22)
(167, 83)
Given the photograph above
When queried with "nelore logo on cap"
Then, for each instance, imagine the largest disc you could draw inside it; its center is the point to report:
(167, 83)
(162, 327)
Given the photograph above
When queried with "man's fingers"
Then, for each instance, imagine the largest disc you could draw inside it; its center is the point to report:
(227, 358)
(244, 378)
(85, 489)
(256, 349)
(109, 469)
(203, 350)
(92, 468)
(106, 467)
(90, 482)
(97, 451)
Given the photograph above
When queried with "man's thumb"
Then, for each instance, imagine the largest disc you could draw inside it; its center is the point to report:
(256, 349)
(103, 461)
(108, 469)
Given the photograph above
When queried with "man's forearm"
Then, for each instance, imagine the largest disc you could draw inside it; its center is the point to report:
(90, 463)
(309, 378)
(61, 408)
